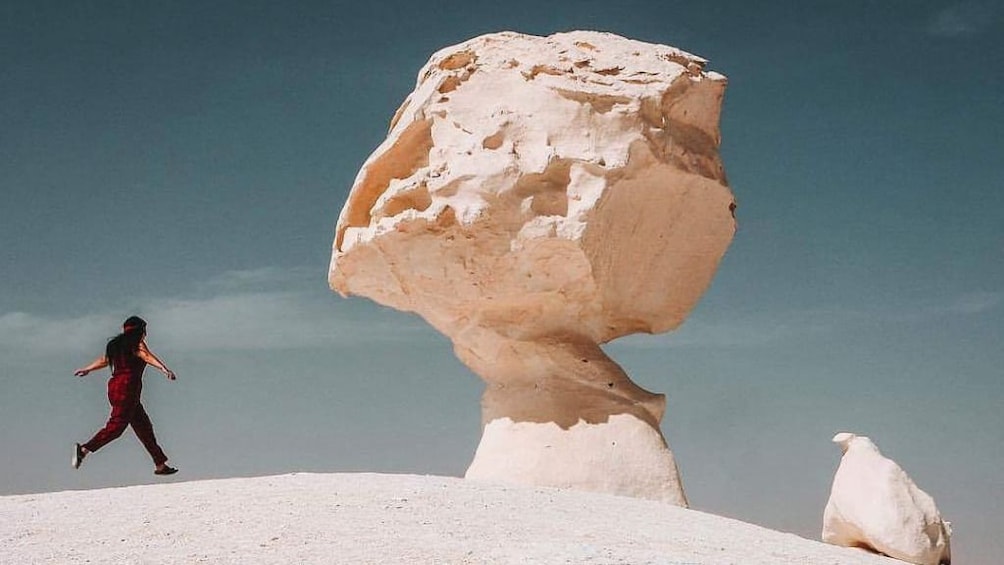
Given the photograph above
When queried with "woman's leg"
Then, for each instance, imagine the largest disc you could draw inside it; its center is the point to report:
(143, 428)
(122, 413)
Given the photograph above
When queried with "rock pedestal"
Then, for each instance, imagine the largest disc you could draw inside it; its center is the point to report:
(536, 197)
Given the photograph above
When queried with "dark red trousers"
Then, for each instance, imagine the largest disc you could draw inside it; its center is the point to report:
(123, 394)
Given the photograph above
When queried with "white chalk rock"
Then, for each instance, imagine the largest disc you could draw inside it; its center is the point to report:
(547, 455)
(536, 197)
(874, 505)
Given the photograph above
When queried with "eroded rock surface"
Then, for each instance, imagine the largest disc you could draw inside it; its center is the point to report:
(876, 506)
(536, 197)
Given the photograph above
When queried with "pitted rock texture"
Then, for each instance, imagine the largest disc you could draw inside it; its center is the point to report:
(876, 506)
(536, 197)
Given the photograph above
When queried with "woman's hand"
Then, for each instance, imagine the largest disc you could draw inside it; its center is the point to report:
(99, 363)
(144, 353)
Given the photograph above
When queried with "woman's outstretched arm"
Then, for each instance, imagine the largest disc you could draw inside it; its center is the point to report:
(145, 354)
(99, 363)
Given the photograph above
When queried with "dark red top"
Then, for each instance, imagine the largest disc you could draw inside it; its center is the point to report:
(129, 368)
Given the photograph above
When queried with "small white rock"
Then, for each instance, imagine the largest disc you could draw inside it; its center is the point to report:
(875, 505)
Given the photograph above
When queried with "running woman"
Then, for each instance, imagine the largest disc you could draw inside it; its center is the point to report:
(128, 355)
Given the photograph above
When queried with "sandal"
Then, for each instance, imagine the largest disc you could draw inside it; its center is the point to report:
(78, 456)
(165, 471)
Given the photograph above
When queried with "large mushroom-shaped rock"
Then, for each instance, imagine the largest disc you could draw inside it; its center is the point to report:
(536, 197)
(874, 505)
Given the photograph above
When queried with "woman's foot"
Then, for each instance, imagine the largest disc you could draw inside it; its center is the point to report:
(163, 469)
(78, 455)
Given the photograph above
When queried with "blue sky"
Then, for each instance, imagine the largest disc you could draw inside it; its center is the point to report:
(187, 161)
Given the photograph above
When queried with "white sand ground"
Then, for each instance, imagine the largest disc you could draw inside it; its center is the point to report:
(370, 518)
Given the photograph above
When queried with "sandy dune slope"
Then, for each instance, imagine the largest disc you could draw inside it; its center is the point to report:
(370, 518)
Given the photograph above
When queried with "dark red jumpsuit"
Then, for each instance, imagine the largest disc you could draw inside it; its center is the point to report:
(124, 389)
